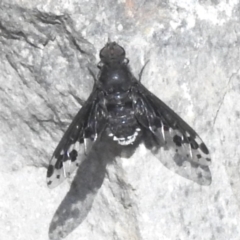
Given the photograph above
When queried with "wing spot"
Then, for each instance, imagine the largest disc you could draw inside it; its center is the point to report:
(77, 164)
(49, 183)
(50, 171)
(193, 143)
(59, 164)
(208, 159)
(177, 140)
(199, 156)
(204, 148)
(73, 155)
(58, 176)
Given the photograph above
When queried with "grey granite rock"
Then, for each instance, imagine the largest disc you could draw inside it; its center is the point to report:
(46, 48)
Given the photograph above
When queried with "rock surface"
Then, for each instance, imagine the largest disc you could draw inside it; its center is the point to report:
(46, 48)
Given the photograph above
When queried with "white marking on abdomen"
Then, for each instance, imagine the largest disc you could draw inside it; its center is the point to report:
(126, 141)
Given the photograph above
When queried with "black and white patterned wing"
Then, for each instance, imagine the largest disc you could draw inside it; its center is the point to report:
(84, 130)
(189, 153)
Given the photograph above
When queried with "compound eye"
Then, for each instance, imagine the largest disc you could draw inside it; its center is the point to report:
(112, 53)
(115, 50)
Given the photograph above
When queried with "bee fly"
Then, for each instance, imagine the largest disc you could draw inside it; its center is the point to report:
(123, 108)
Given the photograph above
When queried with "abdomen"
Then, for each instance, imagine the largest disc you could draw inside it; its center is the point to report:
(122, 124)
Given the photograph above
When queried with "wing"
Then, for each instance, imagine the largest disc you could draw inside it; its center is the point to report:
(190, 154)
(84, 130)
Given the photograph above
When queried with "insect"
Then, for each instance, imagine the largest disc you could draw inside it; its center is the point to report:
(123, 108)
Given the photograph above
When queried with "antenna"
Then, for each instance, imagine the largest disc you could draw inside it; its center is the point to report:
(141, 72)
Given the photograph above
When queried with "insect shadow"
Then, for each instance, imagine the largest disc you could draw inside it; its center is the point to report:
(88, 180)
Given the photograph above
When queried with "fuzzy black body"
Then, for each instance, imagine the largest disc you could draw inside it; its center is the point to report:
(123, 108)
(115, 84)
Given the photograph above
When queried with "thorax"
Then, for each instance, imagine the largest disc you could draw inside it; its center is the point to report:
(115, 79)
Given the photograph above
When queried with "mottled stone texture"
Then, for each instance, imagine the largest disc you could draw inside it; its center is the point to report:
(46, 48)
